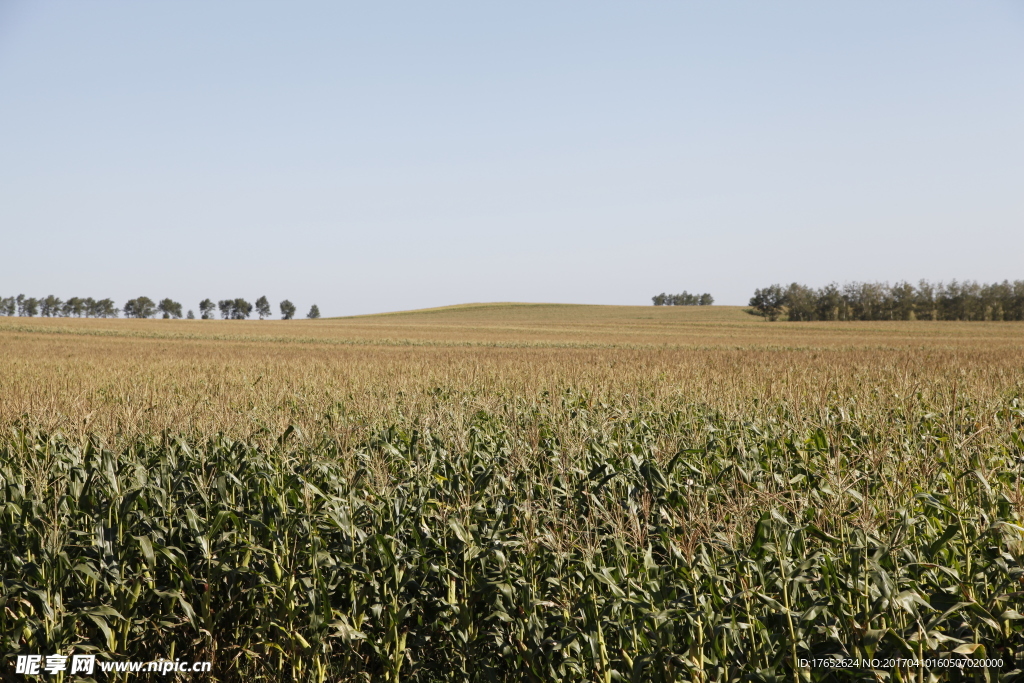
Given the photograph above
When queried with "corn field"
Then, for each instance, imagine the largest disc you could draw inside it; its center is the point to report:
(515, 493)
(744, 548)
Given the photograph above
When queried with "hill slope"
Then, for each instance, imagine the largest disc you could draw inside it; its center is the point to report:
(545, 325)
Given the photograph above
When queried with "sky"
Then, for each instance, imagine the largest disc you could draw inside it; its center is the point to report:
(385, 156)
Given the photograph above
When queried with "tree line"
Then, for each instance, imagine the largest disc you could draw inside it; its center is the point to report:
(684, 299)
(967, 300)
(142, 307)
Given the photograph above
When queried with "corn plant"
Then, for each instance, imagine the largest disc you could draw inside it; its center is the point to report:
(559, 539)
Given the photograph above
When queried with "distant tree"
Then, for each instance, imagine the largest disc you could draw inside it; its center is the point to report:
(141, 307)
(829, 304)
(863, 301)
(191, 315)
(50, 306)
(240, 309)
(903, 302)
(105, 308)
(170, 309)
(263, 307)
(967, 300)
(925, 302)
(768, 302)
(800, 303)
(683, 299)
(287, 310)
(314, 312)
(8, 306)
(75, 306)
(227, 308)
(206, 308)
(27, 306)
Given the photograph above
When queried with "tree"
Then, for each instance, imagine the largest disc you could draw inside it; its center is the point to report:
(903, 301)
(240, 309)
(141, 307)
(74, 306)
(287, 310)
(800, 302)
(768, 302)
(8, 306)
(170, 309)
(263, 307)
(191, 315)
(227, 308)
(206, 308)
(27, 306)
(50, 306)
(683, 299)
(314, 312)
(829, 303)
(105, 308)
(925, 301)
(967, 300)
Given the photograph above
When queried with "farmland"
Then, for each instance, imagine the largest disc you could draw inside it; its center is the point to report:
(515, 492)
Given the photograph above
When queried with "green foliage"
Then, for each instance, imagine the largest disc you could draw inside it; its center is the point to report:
(684, 299)
(768, 302)
(104, 308)
(170, 308)
(142, 307)
(27, 306)
(234, 309)
(263, 307)
(314, 312)
(241, 309)
(287, 310)
(51, 306)
(74, 307)
(510, 557)
(206, 309)
(902, 301)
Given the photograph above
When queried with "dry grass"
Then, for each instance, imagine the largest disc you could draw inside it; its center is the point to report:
(547, 326)
(126, 377)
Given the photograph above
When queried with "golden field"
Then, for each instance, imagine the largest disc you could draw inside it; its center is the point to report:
(125, 377)
(516, 492)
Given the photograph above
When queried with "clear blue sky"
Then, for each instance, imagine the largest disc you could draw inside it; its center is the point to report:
(384, 156)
